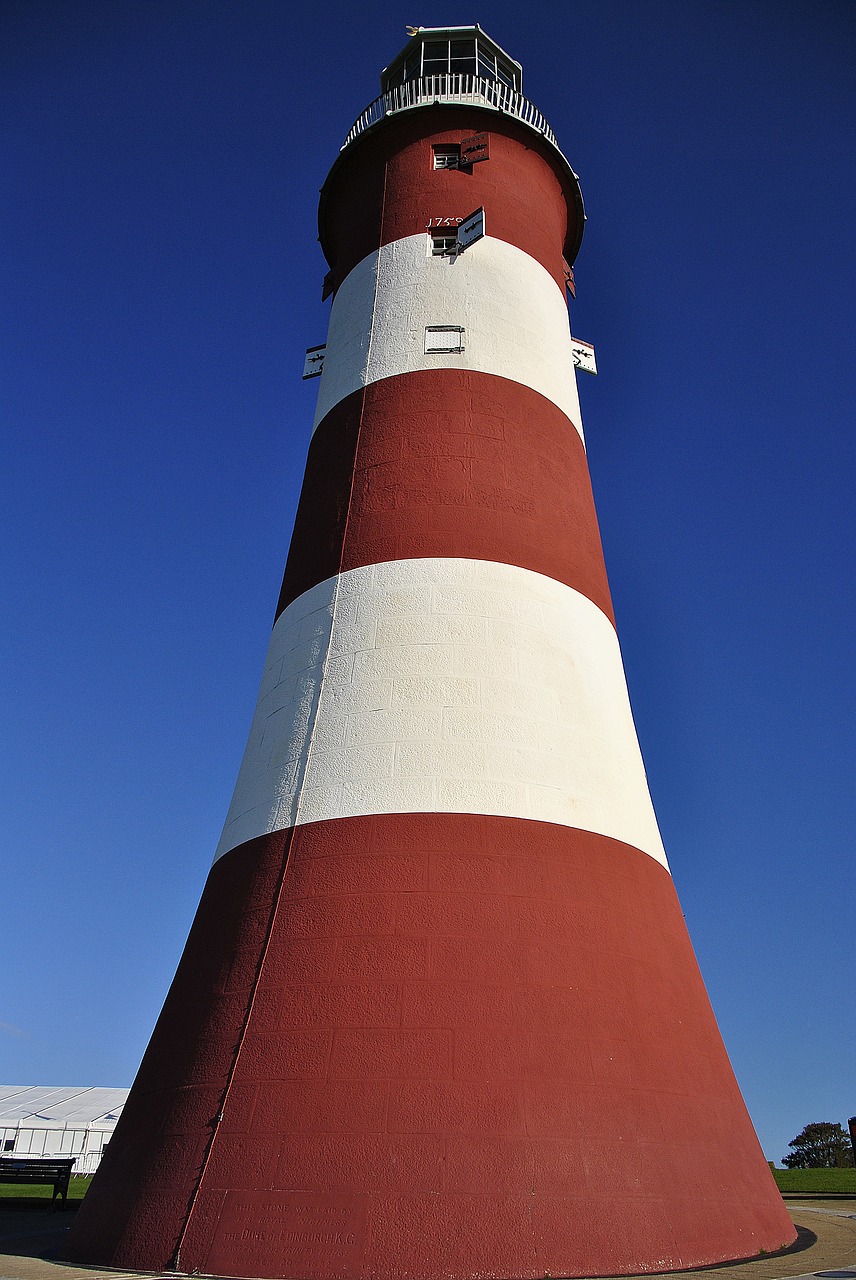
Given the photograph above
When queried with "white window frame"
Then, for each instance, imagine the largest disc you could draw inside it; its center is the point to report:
(447, 155)
(444, 243)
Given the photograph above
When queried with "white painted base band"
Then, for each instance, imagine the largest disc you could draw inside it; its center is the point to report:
(443, 685)
(513, 314)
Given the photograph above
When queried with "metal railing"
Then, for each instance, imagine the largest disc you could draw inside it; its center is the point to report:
(474, 90)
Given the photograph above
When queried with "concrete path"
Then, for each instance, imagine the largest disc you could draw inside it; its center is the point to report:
(31, 1239)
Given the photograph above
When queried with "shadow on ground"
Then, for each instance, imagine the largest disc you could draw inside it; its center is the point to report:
(30, 1229)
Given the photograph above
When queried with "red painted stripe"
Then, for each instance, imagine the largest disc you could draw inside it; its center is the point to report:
(384, 187)
(447, 463)
(137, 1204)
(477, 1046)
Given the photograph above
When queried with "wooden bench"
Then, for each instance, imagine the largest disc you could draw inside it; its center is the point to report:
(57, 1172)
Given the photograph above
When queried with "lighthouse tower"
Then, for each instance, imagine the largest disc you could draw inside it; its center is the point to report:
(438, 1014)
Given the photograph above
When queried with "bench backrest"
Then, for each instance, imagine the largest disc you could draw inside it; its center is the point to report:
(34, 1169)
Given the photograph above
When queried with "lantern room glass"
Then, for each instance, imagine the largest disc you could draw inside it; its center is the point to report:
(448, 55)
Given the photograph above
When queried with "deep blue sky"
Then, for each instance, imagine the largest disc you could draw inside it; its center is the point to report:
(161, 280)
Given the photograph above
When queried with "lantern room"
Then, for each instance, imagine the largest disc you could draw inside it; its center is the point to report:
(452, 51)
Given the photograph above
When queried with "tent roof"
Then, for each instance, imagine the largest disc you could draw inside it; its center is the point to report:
(42, 1106)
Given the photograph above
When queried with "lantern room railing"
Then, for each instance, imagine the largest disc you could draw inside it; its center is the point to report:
(474, 90)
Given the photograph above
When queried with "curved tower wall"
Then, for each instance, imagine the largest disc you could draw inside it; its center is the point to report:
(438, 1014)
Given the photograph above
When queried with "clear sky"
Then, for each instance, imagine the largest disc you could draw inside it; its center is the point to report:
(161, 280)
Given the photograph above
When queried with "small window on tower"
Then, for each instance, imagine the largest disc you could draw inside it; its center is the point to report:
(447, 157)
(444, 339)
(444, 244)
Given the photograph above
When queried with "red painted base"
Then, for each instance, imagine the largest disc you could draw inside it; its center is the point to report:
(440, 1045)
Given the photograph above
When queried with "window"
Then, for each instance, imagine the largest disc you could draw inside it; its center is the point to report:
(492, 67)
(487, 64)
(462, 57)
(505, 74)
(447, 157)
(412, 66)
(435, 58)
(444, 243)
(443, 339)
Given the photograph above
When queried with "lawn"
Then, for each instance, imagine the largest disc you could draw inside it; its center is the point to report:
(77, 1188)
(842, 1181)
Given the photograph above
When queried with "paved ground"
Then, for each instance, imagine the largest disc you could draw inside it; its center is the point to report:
(31, 1238)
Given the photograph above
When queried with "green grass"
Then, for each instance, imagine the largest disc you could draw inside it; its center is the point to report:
(832, 1181)
(842, 1181)
(77, 1189)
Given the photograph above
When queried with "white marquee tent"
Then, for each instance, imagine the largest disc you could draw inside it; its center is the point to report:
(42, 1121)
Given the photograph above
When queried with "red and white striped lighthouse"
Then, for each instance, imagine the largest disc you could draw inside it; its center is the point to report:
(438, 1014)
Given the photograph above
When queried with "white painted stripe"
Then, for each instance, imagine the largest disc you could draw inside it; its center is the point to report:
(514, 317)
(443, 685)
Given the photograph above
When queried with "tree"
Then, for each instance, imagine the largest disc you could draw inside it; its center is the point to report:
(821, 1146)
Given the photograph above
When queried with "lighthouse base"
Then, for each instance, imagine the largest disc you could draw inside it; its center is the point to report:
(415, 1046)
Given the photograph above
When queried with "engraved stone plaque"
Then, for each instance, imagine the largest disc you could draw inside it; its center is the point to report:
(289, 1233)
